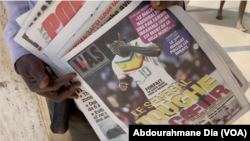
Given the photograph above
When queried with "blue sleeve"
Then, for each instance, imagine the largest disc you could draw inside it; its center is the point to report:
(14, 9)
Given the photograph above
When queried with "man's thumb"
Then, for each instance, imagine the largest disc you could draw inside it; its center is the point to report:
(43, 81)
(40, 76)
(161, 5)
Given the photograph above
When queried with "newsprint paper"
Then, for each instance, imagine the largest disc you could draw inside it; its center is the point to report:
(22, 38)
(152, 67)
(106, 11)
(54, 19)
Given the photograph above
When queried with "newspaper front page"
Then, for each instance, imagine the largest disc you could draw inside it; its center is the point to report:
(52, 21)
(22, 39)
(106, 11)
(150, 67)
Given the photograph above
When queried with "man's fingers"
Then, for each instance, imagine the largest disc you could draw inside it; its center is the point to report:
(56, 84)
(124, 83)
(161, 5)
(117, 41)
(116, 50)
(123, 89)
(120, 43)
(67, 92)
(123, 86)
(75, 96)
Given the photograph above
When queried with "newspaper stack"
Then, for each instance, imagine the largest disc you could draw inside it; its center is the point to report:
(136, 65)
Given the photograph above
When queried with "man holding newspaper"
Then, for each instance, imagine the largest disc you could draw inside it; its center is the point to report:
(33, 71)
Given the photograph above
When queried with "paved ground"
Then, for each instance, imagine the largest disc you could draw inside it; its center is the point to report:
(235, 42)
(23, 114)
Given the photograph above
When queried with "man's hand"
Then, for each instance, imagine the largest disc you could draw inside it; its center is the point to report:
(38, 79)
(161, 5)
(123, 85)
(121, 49)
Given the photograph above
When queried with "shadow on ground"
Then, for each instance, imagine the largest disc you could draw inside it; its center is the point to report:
(230, 16)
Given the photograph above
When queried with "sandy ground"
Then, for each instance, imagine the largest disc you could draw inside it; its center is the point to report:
(20, 113)
(24, 115)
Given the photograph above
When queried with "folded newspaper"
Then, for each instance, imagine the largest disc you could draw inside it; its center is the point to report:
(136, 65)
(106, 11)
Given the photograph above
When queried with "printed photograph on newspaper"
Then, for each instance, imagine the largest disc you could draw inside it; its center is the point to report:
(148, 69)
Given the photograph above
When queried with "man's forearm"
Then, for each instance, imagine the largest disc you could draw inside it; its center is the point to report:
(152, 51)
